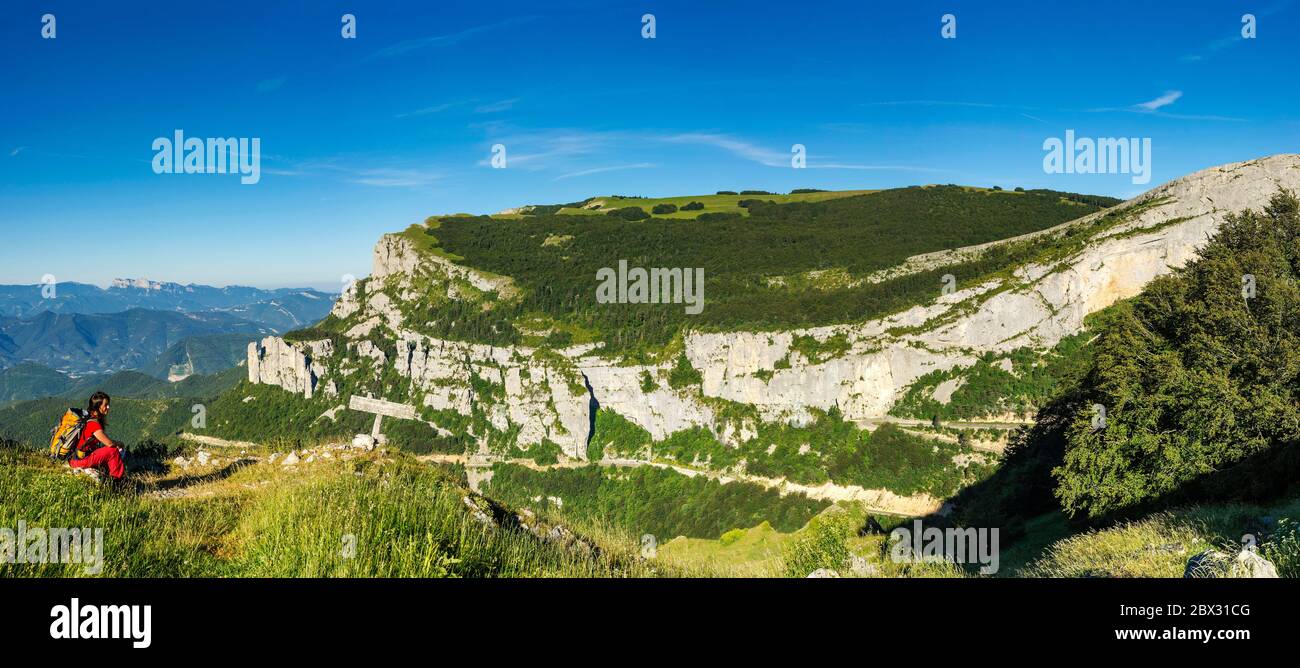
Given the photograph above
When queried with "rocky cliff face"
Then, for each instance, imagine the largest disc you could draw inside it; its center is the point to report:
(551, 394)
(271, 361)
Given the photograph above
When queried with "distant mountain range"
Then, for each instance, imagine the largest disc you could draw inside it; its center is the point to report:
(282, 309)
(165, 330)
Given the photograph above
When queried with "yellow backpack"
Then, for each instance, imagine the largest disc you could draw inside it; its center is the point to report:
(65, 435)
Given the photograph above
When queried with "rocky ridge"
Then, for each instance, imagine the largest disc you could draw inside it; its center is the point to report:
(551, 394)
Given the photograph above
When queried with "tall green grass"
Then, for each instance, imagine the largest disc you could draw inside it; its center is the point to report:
(367, 518)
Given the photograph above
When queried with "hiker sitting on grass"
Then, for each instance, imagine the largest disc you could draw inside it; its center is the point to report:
(95, 448)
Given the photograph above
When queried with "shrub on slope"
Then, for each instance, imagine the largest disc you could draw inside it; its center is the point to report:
(1197, 377)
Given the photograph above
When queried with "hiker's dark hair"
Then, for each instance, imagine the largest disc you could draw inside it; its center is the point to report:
(96, 406)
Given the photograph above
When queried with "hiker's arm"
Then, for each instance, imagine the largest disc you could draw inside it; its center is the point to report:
(103, 438)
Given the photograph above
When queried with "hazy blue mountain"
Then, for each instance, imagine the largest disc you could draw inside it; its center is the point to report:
(83, 343)
(280, 309)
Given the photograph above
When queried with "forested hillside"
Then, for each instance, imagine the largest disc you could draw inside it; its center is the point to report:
(784, 265)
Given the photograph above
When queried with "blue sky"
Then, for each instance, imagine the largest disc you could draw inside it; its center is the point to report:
(364, 136)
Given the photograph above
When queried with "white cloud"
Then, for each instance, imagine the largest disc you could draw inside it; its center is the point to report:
(1163, 101)
(1154, 107)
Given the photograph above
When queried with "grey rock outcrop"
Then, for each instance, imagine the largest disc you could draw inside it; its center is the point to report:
(1215, 564)
(272, 361)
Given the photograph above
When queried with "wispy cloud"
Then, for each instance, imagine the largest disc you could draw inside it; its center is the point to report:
(16, 151)
(774, 158)
(386, 177)
(377, 171)
(427, 110)
(739, 147)
(450, 39)
(1153, 108)
(1165, 100)
(1234, 38)
(547, 149)
(601, 170)
(566, 149)
(494, 107)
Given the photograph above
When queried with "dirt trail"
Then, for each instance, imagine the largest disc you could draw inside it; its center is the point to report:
(213, 441)
(995, 447)
(1004, 425)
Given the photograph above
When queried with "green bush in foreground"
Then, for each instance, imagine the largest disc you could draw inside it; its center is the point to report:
(1197, 375)
(824, 544)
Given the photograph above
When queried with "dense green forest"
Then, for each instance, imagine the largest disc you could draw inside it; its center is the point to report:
(743, 258)
(29, 380)
(650, 500)
(1201, 373)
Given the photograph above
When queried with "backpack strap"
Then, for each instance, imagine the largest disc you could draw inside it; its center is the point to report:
(82, 450)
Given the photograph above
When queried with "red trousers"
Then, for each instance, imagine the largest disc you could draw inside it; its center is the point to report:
(102, 456)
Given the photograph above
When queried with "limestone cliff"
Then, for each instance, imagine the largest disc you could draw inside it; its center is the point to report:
(542, 394)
